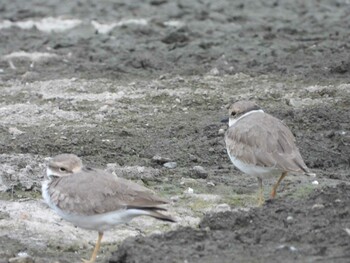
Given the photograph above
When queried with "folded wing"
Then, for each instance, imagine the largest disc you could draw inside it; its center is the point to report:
(100, 192)
(265, 141)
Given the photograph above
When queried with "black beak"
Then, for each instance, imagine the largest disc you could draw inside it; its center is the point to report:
(225, 120)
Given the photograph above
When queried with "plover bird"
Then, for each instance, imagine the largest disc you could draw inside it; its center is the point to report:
(261, 145)
(94, 199)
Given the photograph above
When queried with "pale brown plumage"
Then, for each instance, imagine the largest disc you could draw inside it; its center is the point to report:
(100, 192)
(265, 141)
(260, 144)
(94, 199)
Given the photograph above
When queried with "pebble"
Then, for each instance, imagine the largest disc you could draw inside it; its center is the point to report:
(193, 158)
(290, 248)
(290, 218)
(170, 165)
(221, 131)
(200, 172)
(214, 72)
(347, 230)
(210, 184)
(104, 109)
(315, 182)
(189, 190)
(317, 206)
(14, 131)
(160, 160)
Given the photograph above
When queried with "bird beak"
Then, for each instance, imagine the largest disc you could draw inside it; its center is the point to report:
(225, 120)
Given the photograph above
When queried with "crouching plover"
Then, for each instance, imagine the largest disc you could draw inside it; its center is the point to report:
(94, 199)
(259, 144)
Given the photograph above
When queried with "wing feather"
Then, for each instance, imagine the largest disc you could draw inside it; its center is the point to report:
(100, 192)
(265, 141)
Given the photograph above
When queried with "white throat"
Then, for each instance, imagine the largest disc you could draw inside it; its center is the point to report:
(232, 121)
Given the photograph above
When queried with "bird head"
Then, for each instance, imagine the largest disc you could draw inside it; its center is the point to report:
(63, 165)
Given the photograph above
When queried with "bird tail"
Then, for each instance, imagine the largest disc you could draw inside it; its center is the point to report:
(160, 216)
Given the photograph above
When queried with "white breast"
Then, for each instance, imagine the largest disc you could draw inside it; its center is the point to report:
(99, 222)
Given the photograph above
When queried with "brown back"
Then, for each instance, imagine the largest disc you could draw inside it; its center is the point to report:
(94, 191)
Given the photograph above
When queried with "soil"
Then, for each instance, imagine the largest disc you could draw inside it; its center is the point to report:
(157, 83)
(311, 230)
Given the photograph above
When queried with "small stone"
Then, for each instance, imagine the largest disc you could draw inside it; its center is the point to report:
(160, 160)
(221, 131)
(23, 254)
(292, 248)
(317, 206)
(210, 184)
(314, 182)
(14, 131)
(170, 165)
(214, 72)
(103, 109)
(290, 218)
(189, 191)
(285, 247)
(193, 158)
(347, 230)
(200, 172)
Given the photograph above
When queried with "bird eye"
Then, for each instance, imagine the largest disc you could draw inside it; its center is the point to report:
(233, 113)
(62, 169)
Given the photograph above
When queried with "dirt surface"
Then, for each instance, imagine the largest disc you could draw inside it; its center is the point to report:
(129, 85)
(307, 38)
(310, 230)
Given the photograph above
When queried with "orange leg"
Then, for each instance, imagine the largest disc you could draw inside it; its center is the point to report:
(96, 249)
(274, 189)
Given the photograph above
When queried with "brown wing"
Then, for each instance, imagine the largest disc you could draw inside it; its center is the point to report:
(264, 141)
(96, 192)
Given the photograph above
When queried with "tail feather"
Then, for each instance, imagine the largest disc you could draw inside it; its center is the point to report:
(152, 208)
(160, 216)
(153, 212)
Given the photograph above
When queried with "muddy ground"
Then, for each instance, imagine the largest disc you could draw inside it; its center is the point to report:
(120, 82)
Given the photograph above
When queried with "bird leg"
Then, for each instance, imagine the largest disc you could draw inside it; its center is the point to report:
(274, 189)
(96, 249)
(261, 192)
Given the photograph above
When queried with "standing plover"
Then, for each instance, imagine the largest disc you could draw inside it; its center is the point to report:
(260, 145)
(94, 199)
